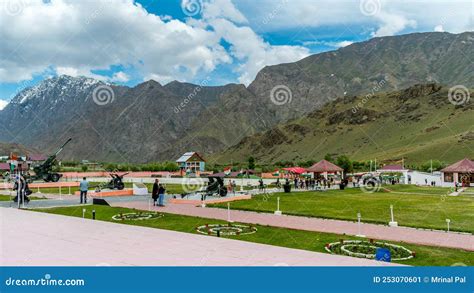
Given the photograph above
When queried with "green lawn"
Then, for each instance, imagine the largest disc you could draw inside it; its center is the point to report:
(423, 207)
(313, 241)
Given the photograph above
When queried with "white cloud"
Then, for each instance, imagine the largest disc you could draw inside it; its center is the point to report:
(3, 104)
(78, 37)
(392, 24)
(455, 16)
(330, 44)
(120, 77)
(439, 28)
(222, 9)
(252, 52)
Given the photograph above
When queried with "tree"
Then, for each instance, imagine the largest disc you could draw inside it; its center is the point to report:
(84, 168)
(345, 163)
(328, 157)
(251, 163)
(437, 165)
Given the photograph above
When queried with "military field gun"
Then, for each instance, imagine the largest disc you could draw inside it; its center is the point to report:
(115, 183)
(45, 170)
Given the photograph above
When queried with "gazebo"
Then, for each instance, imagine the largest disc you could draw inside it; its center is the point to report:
(324, 168)
(462, 172)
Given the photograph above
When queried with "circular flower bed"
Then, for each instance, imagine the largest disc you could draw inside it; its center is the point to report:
(367, 249)
(226, 229)
(136, 216)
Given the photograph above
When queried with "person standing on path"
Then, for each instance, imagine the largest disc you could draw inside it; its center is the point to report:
(161, 195)
(154, 191)
(83, 188)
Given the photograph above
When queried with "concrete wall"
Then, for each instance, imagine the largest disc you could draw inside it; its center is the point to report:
(418, 178)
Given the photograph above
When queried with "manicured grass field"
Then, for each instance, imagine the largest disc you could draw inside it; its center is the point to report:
(313, 241)
(423, 207)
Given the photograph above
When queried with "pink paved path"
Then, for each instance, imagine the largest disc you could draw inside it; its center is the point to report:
(39, 239)
(403, 234)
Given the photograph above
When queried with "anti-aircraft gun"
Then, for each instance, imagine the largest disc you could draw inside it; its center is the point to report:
(45, 170)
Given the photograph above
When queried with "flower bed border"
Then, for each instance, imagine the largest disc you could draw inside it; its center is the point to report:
(210, 229)
(364, 255)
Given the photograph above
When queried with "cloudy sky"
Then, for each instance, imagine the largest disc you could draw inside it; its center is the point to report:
(220, 41)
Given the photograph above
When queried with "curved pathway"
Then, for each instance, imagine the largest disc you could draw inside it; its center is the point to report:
(39, 239)
(401, 234)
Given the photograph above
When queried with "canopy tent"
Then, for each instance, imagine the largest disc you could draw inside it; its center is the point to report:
(295, 170)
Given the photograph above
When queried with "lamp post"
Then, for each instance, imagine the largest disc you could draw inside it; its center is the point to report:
(392, 223)
(359, 234)
(228, 213)
(278, 212)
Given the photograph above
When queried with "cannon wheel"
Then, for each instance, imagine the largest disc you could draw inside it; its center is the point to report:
(55, 177)
(120, 185)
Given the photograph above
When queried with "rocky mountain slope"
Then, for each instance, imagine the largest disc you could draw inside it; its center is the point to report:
(155, 122)
(418, 124)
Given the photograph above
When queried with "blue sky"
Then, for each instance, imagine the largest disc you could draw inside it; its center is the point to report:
(220, 41)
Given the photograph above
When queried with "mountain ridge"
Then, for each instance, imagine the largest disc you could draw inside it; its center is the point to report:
(151, 121)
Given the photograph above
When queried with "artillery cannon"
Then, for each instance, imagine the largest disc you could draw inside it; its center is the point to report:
(115, 183)
(215, 187)
(44, 171)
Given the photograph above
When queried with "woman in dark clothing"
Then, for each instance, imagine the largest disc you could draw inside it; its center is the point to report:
(154, 192)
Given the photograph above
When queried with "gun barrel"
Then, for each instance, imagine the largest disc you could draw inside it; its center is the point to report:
(62, 147)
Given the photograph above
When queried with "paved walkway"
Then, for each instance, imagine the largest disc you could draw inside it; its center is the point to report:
(39, 239)
(402, 234)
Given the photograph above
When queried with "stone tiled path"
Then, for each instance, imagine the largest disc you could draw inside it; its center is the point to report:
(403, 234)
(40, 239)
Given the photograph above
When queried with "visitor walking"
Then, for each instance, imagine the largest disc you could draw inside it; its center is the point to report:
(83, 187)
(161, 195)
(234, 186)
(154, 192)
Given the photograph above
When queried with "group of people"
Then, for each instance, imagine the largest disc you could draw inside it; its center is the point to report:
(158, 193)
(312, 183)
(231, 186)
(432, 183)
